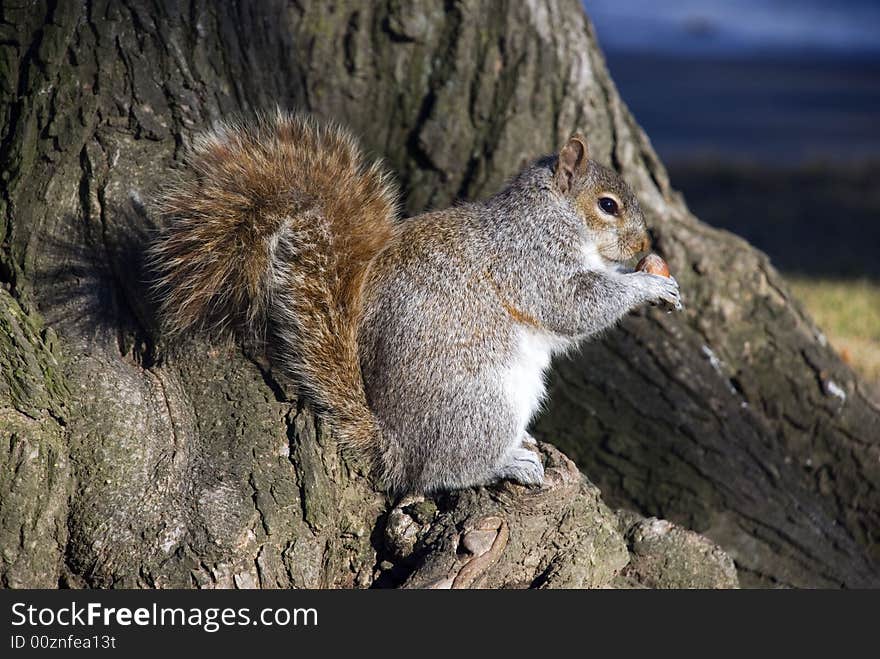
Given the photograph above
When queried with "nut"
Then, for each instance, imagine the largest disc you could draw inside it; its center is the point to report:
(653, 265)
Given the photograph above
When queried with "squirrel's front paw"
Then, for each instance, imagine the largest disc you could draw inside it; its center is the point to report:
(523, 466)
(660, 290)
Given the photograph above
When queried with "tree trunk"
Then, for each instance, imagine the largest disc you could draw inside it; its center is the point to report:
(130, 462)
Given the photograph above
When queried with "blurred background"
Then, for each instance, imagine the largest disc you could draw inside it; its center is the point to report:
(767, 115)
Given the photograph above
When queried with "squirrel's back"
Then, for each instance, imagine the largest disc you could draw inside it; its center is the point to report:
(270, 237)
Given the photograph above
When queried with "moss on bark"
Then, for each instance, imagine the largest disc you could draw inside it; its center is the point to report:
(129, 462)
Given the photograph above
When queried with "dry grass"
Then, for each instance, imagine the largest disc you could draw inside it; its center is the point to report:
(848, 311)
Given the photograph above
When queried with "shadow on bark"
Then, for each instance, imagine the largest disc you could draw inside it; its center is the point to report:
(129, 462)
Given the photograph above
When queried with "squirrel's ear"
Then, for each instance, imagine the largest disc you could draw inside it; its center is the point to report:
(572, 162)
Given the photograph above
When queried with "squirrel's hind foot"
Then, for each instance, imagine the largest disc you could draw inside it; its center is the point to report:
(522, 466)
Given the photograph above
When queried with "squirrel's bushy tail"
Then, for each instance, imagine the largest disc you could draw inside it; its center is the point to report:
(271, 238)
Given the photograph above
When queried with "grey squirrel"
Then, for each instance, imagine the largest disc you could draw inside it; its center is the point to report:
(423, 341)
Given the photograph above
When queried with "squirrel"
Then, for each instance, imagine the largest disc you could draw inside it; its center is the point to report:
(423, 341)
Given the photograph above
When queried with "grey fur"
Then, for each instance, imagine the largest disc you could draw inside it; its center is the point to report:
(438, 336)
(424, 342)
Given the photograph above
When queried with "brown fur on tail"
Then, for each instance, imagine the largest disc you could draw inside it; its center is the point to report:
(271, 238)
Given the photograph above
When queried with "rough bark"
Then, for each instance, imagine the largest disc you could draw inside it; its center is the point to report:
(130, 462)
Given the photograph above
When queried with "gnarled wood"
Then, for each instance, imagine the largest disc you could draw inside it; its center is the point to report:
(128, 462)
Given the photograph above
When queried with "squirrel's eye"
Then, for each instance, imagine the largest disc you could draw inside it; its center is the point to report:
(608, 205)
